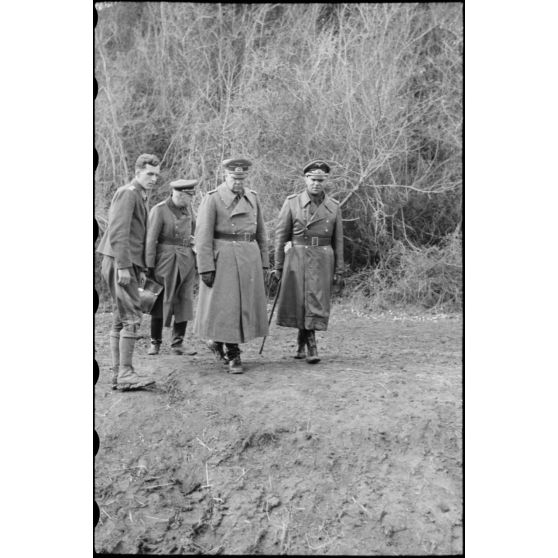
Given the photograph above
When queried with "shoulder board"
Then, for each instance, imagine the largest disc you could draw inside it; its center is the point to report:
(161, 203)
(253, 191)
(334, 200)
(131, 187)
(292, 196)
(212, 191)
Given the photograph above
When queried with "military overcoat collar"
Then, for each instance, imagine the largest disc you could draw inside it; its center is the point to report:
(327, 202)
(246, 202)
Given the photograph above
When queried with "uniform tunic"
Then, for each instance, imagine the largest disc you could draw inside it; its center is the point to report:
(168, 250)
(304, 299)
(234, 310)
(123, 246)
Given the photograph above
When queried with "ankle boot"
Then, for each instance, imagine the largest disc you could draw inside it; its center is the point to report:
(114, 338)
(301, 343)
(312, 357)
(178, 332)
(233, 356)
(216, 347)
(127, 377)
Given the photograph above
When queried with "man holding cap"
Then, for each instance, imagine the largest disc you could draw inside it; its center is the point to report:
(311, 221)
(231, 250)
(123, 268)
(171, 262)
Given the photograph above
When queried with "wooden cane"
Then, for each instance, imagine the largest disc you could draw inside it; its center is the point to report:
(271, 315)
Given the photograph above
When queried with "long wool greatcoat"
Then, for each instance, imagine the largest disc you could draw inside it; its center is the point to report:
(234, 310)
(168, 249)
(304, 299)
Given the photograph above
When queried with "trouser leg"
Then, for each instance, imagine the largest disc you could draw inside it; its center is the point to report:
(114, 339)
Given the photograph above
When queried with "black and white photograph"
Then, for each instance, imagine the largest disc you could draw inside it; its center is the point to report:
(279, 278)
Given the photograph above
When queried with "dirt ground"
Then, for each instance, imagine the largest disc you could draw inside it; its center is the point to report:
(358, 454)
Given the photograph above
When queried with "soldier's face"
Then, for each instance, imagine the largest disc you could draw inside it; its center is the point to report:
(235, 184)
(148, 176)
(182, 198)
(314, 185)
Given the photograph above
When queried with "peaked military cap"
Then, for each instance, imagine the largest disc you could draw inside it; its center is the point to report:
(238, 167)
(183, 185)
(316, 168)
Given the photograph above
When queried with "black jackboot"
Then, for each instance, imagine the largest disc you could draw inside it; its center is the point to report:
(178, 332)
(156, 335)
(301, 342)
(312, 357)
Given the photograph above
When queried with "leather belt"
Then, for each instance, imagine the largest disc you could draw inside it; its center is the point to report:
(244, 237)
(185, 243)
(311, 240)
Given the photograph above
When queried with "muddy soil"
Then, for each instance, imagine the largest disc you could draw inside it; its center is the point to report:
(358, 454)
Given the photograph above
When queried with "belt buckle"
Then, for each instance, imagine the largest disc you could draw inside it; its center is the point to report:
(315, 241)
(247, 237)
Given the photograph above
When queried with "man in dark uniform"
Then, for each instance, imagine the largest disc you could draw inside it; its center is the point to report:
(231, 250)
(171, 262)
(311, 222)
(123, 268)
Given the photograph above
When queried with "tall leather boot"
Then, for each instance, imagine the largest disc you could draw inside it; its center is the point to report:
(178, 332)
(156, 335)
(127, 377)
(233, 356)
(301, 342)
(312, 357)
(114, 338)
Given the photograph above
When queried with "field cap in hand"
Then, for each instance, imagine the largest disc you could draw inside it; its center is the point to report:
(238, 168)
(317, 169)
(183, 185)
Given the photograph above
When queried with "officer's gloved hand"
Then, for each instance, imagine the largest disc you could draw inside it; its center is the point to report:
(208, 277)
(277, 274)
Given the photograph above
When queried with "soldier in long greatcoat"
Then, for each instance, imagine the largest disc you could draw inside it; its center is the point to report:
(123, 268)
(311, 222)
(231, 251)
(171, 262)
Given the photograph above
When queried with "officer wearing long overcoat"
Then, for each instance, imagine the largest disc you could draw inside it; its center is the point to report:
(123, 268)
(231, 252)
(171, 261)
(311, 221)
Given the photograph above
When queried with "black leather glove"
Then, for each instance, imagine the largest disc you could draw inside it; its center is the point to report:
(208, 277)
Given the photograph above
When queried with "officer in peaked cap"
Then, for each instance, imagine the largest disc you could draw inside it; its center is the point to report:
(171, 262)
(231, 250)
(311, 221)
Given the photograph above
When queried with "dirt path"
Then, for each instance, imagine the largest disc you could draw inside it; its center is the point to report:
(359, 454)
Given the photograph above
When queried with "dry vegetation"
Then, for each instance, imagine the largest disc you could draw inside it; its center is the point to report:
(375, 88)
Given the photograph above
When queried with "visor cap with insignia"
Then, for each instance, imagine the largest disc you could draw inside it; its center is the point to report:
(184, 185)
(238, 168)
(316, 169)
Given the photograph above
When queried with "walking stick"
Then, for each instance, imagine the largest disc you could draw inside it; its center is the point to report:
(271, 315)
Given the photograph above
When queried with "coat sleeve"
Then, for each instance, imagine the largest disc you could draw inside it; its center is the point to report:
(203, 239)
(283, 232)
(261, 236)
(154, 226)
(120, 221)
(338, 242)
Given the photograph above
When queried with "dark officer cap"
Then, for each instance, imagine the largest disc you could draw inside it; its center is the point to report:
(237, 167)
(184, 185)
(317, 169)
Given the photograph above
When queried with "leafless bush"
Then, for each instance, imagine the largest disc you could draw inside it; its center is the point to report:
(375, 88)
